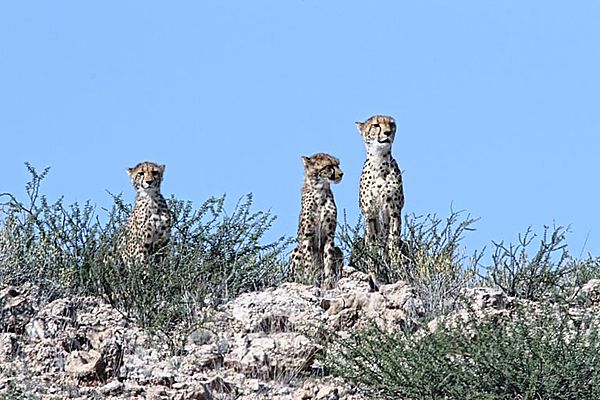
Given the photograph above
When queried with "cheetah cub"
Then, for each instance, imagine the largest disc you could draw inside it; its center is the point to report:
(381, 195)
(149, 226)
(318, 219)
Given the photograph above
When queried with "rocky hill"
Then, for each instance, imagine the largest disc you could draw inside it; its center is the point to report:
(261, 345)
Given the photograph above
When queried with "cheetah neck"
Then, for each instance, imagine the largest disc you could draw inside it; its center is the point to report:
(317, 185)
(152, 194)
(379, 154)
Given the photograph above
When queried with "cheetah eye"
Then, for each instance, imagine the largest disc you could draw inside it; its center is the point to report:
(141, 173)
(155, 173)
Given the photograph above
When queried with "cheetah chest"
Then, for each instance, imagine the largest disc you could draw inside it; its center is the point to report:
(154, 223)
(324, 214)
(381, 188)
(157, 226)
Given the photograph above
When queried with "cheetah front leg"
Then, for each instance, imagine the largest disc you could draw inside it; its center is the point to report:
(372, 226)
(333, 260)
(394, 244)
(295, 263)
(395, 227)
(305, 256)
(371, 231)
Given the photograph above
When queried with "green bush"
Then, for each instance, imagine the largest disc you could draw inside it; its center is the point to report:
(549, 273)
(212, 256)
(543, 354)
(50, 244)
(430, 258)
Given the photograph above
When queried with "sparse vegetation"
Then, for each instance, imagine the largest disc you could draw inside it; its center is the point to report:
(537, 348)
(212, 256)
(553, 355)
(550, 273)
(430, 258)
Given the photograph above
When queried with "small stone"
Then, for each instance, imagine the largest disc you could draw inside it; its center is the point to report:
(155, 393)
(114, 387)
(85, 364)
(180, 385)
(304, 394)
(201, 336)
(8, 346)
(327, 393)
(164, 377)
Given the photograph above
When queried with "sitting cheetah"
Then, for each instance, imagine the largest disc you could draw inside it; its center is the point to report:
(318, 219)
(381, 196)
(149, 226)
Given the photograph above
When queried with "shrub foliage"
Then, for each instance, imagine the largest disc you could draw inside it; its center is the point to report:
(68, 249)
(430, 258)
(553, 355)
(540, 349)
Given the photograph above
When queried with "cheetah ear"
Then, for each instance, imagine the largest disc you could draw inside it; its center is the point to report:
(360, 126)
(130, 171)
(162, 168)
(306, 160)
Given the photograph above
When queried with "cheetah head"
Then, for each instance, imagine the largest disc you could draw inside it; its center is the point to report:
(146, 176)
(378, 132)
(323, 167)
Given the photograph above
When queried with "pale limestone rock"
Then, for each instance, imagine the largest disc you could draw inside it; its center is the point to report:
(112, 388)
(327, 392)
(85, 364)
(484, 298)
(591, 291)
(8, 346)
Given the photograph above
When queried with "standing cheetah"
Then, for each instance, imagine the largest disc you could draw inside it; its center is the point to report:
(149, 226)
(381, 196)
(318, 219)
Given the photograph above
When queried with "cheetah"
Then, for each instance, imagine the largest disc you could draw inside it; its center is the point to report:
(148, 228)
(381, 196)
(318, 220)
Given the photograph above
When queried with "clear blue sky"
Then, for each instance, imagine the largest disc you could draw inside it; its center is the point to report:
(497, 102)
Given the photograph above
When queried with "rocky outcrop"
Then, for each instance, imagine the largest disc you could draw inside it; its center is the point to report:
(260, 345)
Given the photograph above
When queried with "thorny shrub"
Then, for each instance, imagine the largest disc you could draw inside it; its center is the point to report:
(69, 249)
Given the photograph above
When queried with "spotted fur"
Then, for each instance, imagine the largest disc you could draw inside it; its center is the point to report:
(381, 195)
(318, 219)
(148, 229)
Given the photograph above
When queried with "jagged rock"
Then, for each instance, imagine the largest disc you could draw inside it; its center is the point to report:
(478, 301)
(327, 392)
(262, 355)
(258, 345)
(391, 308)
(85, 364)
(291, 306)
(16, 308)
(217, 384)
(201, 358)
(591, 291)
(353, 280)
(202, 336)
(112, 388)
(8, 346)
(484, 298)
